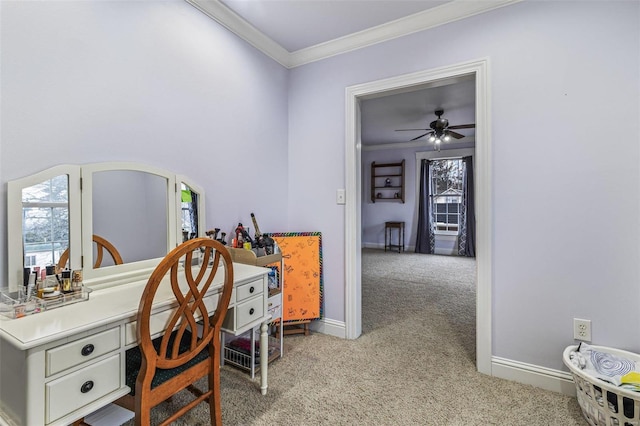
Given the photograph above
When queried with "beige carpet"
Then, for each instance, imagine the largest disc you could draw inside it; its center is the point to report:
(413, 365)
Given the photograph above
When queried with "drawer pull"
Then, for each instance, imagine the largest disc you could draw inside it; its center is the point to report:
(251, 311)
(86, 386)
(252, 289)
(87, 349)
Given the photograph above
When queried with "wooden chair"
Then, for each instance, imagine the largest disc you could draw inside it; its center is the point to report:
(102, 245)
(159, 368)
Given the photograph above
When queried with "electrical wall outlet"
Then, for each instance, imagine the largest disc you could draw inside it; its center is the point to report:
(582, 329)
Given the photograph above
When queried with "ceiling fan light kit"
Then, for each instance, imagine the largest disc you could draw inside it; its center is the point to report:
(440, 131)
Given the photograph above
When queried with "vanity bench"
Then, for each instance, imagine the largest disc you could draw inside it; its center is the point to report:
(60, 365)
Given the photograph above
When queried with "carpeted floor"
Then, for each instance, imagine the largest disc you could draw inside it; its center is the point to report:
(413, 365)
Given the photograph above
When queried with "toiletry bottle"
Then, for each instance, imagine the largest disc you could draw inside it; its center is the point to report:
(66, 281)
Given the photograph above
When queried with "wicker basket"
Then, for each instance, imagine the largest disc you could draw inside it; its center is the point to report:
(604, 404)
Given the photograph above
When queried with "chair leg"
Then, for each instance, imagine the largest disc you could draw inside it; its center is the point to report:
(143, 413)
(215, 406)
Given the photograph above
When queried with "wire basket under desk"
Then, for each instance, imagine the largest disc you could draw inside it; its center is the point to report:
(237, 351)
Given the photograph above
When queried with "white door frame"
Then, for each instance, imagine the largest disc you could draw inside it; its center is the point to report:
(484, 226)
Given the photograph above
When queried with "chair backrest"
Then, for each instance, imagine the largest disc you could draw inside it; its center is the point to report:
(183, 339)
(102, 244)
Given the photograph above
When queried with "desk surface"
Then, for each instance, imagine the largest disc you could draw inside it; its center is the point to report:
(104, 306)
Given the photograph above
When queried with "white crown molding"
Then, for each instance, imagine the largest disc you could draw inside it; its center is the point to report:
(446, 13)
(234, 23)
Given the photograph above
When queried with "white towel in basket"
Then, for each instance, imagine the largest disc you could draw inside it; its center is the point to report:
(602, 365)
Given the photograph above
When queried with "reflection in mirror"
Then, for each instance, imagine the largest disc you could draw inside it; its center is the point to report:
(45, 222)
(189, 212)
(129, 209)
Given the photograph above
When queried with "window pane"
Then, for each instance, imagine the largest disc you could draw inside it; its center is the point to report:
(36, 224)
(441, 208)
(453, 208)
(452, 218)
(441, 218)
(60, 221)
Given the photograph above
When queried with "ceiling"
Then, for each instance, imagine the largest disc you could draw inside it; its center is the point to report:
(299, 24)
(296, 32)
(382, 117)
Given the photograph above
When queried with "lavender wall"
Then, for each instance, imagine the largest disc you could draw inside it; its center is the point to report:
(153, 82)
(560, 73)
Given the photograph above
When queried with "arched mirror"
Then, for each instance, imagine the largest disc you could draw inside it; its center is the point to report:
(115, 221)
(131, 207)
(43, 213)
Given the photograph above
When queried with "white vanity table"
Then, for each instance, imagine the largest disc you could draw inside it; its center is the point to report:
(60, 365)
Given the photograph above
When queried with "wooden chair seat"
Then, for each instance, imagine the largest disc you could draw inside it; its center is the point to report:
(134, 361)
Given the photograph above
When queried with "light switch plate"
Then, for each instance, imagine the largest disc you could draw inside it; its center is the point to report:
(341, 196)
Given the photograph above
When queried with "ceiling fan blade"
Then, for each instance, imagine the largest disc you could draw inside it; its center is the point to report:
(421, 136)
(455, 135)
(406, 130)
(462, 126)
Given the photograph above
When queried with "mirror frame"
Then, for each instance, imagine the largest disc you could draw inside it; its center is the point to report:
(81, 223)
(15, 248)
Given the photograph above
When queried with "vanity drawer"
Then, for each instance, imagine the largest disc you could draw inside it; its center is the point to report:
(249, 311)
(75, 390)
(248, 290)
(79, 351)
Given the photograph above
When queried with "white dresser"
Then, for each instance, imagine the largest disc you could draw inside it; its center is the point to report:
(60, 365)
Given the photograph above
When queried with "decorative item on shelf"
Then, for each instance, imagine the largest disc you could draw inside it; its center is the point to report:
(396, 195)
(387, 182)
(379, 195)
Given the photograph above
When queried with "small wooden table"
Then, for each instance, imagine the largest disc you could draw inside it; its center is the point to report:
(388, 227)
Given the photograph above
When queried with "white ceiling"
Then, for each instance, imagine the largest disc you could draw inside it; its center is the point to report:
(299, 24)
(383, 116)
(296, 32)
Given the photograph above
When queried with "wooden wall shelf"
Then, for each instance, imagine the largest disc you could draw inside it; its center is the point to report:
(387, 182)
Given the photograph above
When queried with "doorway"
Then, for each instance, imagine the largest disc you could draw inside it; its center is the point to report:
(353, 184)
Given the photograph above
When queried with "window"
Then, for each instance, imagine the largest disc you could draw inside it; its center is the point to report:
(30, 260)
(446, 181)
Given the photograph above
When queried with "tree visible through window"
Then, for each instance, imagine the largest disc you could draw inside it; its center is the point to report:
(447, 193)
(45, 221)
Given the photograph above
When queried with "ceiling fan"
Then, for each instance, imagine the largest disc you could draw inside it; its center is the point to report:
(440, 131)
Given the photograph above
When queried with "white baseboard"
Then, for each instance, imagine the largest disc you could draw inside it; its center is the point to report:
(380, 246)
(529, 374)
(330, 327)
(373, 245)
